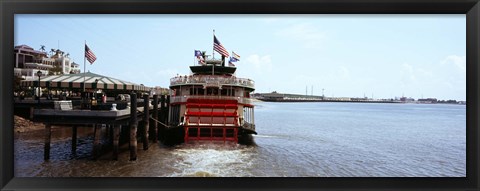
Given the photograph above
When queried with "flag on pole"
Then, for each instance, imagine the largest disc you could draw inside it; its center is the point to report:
(199, 56)
(217, 46)
(89, 55)
(198, 53)
(236, 56)
(231, 61)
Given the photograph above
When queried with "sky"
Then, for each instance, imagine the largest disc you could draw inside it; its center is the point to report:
(379, 56)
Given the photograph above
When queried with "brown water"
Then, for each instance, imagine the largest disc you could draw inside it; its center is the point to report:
(295, 140)
(194, 159)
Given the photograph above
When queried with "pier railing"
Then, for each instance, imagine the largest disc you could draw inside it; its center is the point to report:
(183, 99)
(212, 80)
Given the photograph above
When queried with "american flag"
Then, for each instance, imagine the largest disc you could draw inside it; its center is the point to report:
(217, 46)
(89, 55)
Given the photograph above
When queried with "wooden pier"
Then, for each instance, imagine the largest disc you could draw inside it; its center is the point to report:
(113, 119)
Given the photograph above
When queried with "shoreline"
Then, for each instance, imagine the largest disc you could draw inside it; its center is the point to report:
(350, 101)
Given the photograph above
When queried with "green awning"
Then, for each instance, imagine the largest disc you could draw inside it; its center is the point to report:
(76, 81)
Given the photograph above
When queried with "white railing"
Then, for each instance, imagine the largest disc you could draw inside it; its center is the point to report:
(212, 80)
(183, 99)
(32, 64)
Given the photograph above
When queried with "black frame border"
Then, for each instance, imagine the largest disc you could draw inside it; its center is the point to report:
(8, 8)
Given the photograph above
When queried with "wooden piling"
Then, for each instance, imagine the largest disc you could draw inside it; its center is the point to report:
(96, 140)
(155, 116)
(74, 140)
(116, 138)
(107, 131)
(162, 108)
(167, 107)
(133, 126)
(161, 117)
(146, 121)
(48, 137)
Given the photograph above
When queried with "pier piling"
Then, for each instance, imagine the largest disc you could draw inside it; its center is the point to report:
(116, 138)
(167, 106)
(161, 117)
(133, 126)
(48, 137)
(146, 119)
(96, 140)
(155, 116)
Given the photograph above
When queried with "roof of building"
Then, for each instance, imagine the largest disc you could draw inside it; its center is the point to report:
(75, 81)
(28, 49)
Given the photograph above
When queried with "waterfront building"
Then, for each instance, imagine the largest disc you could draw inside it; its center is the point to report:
(407, 100)
(27, 62)
(428, 100)
(157, 90)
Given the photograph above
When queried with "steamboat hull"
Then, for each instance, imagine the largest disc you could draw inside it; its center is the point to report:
(176, 135)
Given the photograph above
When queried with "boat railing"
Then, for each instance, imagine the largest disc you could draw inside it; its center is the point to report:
(183, 99)
(212, 80)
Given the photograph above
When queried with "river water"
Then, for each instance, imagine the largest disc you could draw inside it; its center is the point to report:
(294, 140)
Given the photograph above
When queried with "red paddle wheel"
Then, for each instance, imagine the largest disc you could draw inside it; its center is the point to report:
(207, 119)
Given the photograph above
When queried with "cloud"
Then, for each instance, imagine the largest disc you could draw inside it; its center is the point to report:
(458, 61)
(454, 70)
(305, 33)
(260, 63)
(444, 79)
(407, 73)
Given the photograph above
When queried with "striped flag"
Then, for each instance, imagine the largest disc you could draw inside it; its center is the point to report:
(217, 46)
(89, 55)
(236, 56)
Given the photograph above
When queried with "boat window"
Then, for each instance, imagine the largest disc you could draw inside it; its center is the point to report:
(212, 91)
(224, 92)
(196, 91)
(200, 91)
(246, 94)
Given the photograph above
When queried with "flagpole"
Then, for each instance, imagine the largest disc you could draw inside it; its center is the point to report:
(213, 54)
(230, 58)
(84, 66)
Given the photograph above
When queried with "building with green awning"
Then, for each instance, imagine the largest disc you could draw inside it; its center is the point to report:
(76, 82)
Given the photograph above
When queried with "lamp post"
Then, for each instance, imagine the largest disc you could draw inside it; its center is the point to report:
(39, 73)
